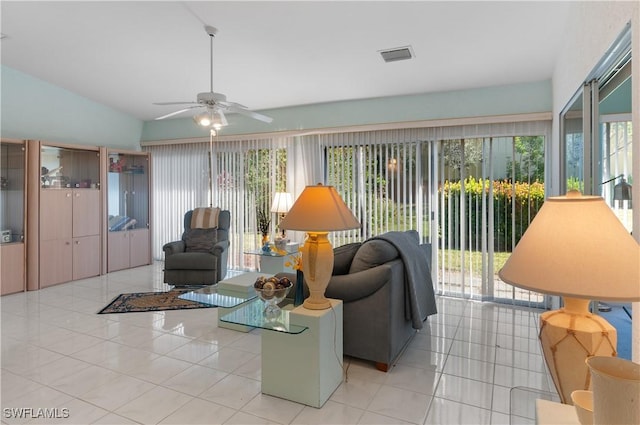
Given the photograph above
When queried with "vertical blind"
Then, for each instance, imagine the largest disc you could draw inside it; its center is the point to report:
(245, 174)
(456, 185)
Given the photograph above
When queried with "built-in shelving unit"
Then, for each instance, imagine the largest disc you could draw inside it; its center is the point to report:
(128, 225)
(70, 212)
(12, 216)
(65, 190)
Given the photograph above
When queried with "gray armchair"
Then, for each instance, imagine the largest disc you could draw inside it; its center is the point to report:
(200, 257)
(371, 280)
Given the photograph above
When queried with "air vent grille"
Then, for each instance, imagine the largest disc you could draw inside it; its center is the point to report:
(397, 54)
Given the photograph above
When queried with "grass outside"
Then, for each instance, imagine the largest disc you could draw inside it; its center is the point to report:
(453, 259)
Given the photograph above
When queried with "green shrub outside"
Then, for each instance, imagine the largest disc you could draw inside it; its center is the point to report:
(521, 201)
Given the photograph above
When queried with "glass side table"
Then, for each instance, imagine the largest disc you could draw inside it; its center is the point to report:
(307, 341)
(271, 262)
(251, 314)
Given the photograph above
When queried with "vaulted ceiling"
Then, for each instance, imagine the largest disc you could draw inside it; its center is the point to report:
(128, 54)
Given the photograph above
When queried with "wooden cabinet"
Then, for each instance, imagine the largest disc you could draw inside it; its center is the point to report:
(76, 228)
(12, 265)
(12, 216)
(128, 224)
(128, 249)
(70, 215)
(69, 235)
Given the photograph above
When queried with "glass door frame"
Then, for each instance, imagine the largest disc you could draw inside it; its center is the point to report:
(590, 92)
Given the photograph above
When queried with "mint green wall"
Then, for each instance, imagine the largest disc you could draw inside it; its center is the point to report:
(618, 102)
(512, 99)
(35, 109)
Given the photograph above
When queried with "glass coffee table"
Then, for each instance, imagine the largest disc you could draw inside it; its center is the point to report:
(251, 314)
(226, 301)
(209, 295)
(243, 310)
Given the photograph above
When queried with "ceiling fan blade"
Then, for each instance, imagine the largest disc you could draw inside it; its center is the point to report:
(223, 119)
(250, 114)
(177, 112)
(231, 104)
(175, 103)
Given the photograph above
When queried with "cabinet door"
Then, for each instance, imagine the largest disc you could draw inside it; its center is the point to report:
(86, 257)
(139, 246)
(12, 263)
(56, 214)
(86, 212)
(118, 251)
(56, 260)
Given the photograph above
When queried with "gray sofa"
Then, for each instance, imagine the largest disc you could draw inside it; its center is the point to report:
(382, 310)
(184, 267)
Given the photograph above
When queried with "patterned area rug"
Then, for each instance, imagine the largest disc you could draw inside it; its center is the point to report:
(150, 301)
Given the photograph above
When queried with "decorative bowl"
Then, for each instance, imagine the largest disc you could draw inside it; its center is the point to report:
(272, 291)
(583, 402)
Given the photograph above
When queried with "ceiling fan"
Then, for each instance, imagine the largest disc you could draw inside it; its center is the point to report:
(216, 104)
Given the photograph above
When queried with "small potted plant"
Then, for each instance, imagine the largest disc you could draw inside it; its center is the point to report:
(295, 263)
(263, 227)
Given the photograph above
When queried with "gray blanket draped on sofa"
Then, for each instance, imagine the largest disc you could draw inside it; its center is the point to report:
(420, 299)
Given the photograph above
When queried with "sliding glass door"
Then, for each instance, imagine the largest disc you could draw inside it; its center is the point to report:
(489, 191)
(596, 131)
(614, 149)
(471, 198)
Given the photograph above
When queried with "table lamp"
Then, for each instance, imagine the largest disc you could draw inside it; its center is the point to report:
(576, 248)
(318, 210)
(281, 205)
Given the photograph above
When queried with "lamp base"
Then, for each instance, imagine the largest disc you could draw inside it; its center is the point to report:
(568, 337)
(317, 264)
(317, 304)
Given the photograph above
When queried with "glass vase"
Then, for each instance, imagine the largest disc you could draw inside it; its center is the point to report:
(299, 298)
(266, 247)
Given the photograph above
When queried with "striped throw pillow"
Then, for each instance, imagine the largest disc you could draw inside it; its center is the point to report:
(205, 218)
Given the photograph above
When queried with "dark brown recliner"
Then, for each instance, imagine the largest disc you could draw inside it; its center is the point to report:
(185, 267)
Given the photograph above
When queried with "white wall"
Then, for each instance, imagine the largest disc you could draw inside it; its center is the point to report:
(591, 29)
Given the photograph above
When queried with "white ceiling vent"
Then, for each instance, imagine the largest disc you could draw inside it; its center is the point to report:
(397, 54)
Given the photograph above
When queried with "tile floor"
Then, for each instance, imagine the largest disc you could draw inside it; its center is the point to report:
(178, 367)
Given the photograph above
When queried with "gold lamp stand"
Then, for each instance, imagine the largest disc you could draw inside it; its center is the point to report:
(316, 251)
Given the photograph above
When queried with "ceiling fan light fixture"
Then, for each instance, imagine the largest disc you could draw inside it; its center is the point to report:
(203, 120)
(210, 119)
